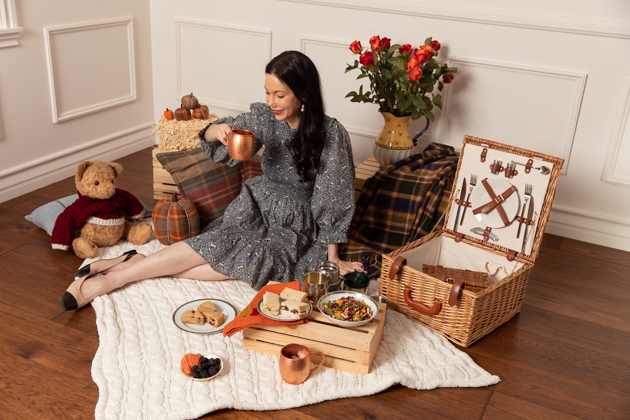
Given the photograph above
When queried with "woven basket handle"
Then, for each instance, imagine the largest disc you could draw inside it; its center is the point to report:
(437, 305)
(396, 266)
(421, 307)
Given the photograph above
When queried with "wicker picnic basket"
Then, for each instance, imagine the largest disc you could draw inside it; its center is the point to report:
(464, 316)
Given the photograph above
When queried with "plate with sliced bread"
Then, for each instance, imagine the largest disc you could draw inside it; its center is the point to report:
(289, 305)
(204, 316)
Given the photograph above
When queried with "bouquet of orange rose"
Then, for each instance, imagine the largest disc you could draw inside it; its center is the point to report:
(402, 78)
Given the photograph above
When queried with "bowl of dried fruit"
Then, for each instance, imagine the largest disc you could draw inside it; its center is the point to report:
(201, 367)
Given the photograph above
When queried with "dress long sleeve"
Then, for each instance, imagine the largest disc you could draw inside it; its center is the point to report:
(333, 194)
(252, 121)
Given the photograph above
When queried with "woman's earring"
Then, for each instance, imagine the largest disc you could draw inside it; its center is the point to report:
(302, 109)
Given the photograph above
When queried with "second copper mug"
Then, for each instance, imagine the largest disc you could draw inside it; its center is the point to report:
(241, 144)
(295, 363)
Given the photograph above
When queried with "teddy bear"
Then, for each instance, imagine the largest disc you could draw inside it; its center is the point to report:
(97, 217)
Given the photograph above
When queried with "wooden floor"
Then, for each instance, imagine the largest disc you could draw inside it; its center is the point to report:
(565, 356)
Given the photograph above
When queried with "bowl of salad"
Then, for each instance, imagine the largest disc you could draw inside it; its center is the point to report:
(348, 309)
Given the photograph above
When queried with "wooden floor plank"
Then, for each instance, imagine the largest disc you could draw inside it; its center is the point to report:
(596, 253)
(564, 356)
(506, 407)
(551, 241)
(551, 375)
(575, 332)
(45, 367)
(567, 265)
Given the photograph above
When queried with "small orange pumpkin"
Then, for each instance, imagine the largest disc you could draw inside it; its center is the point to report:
(175, 220)
(168, 114)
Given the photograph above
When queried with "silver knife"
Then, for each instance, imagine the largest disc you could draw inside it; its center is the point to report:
(530, 215)
(462, 196)
(480, 231)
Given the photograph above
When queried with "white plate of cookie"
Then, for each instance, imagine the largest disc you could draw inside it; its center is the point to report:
(204, 316)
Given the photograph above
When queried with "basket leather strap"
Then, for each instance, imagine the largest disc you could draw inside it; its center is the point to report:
(455, 291)
(396, 266)
(495, 202)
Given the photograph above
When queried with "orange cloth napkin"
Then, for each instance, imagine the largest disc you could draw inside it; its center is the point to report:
(250, 317)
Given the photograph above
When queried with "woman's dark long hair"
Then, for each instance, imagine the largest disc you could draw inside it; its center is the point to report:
(299, 73)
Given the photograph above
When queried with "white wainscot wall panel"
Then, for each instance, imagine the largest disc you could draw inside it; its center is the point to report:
(490, 99)
(507, 15)
(336, 84)
(44, 171)
(90, 67)
(617, 167)
(211, 56)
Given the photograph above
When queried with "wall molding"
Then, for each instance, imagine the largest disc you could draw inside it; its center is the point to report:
(578, 78)
(179, 23)
(619, 128)
(9, 28)
(38, 173)
(589, 227)
(308, 39)
(485, 16)
(79, 112)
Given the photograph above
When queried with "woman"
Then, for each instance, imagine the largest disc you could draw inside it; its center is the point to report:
(282, 223)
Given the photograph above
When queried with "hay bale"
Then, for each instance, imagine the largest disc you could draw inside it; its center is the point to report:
(181, 135)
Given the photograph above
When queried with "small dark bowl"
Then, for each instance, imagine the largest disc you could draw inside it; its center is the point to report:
(357, 280)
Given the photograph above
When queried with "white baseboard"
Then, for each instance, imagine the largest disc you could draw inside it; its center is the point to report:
(39, 173)
(589, 227)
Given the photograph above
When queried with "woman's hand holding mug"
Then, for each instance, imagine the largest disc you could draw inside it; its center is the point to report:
(224, 132)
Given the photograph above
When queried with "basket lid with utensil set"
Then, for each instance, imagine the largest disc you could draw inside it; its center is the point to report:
(502, 197)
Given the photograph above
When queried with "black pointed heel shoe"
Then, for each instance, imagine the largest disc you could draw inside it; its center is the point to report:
(102, 265)
(72, 298)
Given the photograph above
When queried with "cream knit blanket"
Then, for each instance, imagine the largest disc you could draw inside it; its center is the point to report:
(136, 367)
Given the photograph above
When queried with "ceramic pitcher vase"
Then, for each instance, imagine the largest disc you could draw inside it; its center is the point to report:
(395, 133)
(394, 142)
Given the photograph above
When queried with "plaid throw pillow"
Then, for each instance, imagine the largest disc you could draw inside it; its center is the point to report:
(251, 168)
(210, 186)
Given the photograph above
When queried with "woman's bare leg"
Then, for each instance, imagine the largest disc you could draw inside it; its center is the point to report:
(177, 260)
(201, 272)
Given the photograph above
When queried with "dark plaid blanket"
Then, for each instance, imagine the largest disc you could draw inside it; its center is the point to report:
(400, 204)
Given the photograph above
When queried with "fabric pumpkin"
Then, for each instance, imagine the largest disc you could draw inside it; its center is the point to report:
(175, 220)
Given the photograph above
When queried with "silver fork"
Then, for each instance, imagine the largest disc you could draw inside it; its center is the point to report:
(527, 196)
(471, 187)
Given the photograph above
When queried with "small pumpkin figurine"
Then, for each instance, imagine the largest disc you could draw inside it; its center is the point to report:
(190, 102)
(168, 114)
(182, 114)
(198, 114)
(206, 111)
(175, 220)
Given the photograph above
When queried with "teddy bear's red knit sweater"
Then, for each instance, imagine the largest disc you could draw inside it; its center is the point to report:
(109, 212)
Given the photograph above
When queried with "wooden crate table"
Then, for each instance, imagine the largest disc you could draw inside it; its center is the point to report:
(348, 349)
(163, 184)
(364, 171)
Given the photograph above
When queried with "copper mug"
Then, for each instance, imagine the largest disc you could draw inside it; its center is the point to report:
(241, 144)
(295, 363)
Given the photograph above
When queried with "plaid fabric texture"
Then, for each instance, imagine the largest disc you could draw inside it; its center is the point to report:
(251, 168)
(210, 186)
(400, 204)
(174, 221)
